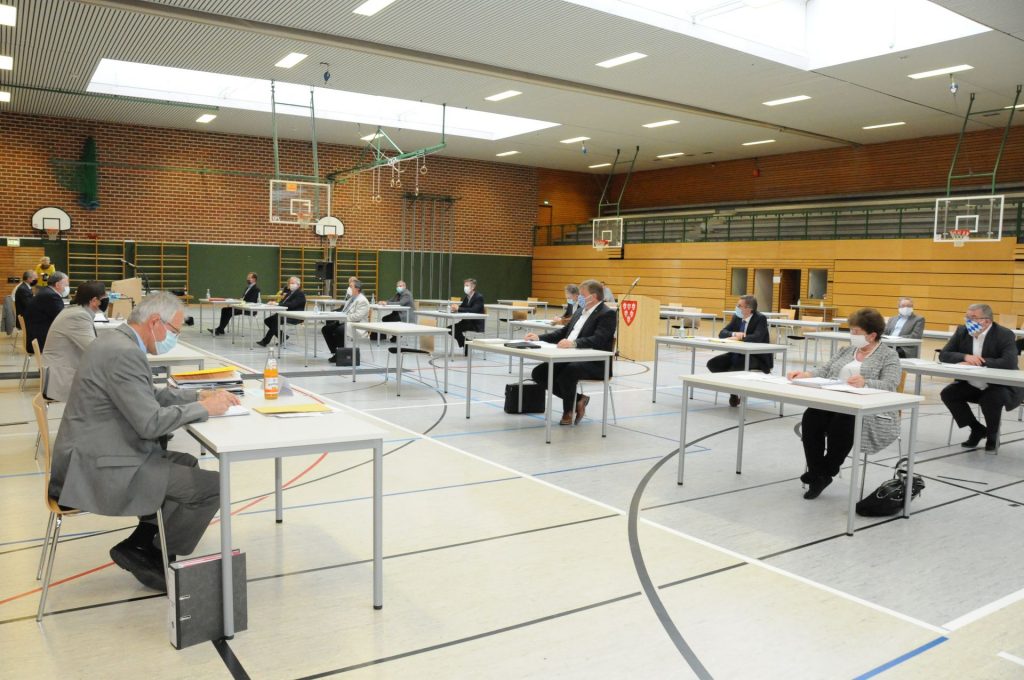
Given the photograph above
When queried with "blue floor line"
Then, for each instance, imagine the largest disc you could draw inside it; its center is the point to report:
(900, 659)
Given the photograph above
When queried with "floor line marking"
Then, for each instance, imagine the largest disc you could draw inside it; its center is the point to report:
(1013, 658)
(981, 612)
(900, 659)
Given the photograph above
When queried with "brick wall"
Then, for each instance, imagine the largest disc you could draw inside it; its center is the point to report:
(572, 196)
(914, 164)
(495, 214)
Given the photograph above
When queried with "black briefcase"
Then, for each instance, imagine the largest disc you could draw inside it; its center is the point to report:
(533, 398)
(343, 357)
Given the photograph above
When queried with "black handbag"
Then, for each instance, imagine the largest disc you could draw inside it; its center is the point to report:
(344, 356)
(887, 499)
(533, 398)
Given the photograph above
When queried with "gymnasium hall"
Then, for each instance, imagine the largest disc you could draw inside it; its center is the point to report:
(536, 339)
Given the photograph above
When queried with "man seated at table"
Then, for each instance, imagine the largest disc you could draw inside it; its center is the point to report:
(403, 296)
(251, 295)
(357, 310)
(23, 292)
(572, 303)
(291, 298)
(472, 302)
(592, 327)
(107, 457)
(43, 308)
(980, 342)
(906, 324)
(70, 335)
(747, 325)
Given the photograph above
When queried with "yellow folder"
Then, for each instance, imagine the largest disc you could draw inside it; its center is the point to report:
(292, 408)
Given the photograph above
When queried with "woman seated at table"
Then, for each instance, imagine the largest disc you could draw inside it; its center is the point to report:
(828, 436)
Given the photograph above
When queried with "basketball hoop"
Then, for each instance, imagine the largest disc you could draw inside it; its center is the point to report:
(601, 244)
(51, 231)
(332, 239)
(960, 236)
(304, 219)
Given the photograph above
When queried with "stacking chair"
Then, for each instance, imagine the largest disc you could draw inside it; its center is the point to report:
(17, 329)
(57, 513)
(42, 382)
(415, 352)
(611, 394)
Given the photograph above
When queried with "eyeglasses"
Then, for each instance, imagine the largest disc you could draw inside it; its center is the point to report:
(177, 331)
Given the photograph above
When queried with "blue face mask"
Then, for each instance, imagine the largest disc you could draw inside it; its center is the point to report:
(168, 343)
(973, 327)
(399, 289)
(738, 311)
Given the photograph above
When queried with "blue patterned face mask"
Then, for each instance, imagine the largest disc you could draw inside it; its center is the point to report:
(973, 327)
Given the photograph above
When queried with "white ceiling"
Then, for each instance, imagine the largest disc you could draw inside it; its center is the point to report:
(460, 51)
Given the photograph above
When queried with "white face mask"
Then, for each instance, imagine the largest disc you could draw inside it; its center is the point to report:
(64, 292)
(858, 341)
(906, 311)
(467, 290)
(350, 291)
(293, 286)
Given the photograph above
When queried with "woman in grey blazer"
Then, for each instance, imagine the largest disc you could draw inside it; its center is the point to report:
(827, 436)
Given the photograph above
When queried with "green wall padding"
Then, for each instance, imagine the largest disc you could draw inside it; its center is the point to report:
(222, 269)
(498, 276)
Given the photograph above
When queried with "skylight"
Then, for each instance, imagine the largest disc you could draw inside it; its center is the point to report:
(805, 35)
(253, 94)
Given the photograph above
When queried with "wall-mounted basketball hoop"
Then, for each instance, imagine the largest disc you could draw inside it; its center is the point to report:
(51, 221)
(959, 237)
(331, 228)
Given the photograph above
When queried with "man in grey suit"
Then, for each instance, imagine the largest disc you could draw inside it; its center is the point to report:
(906, 324)
(107, 458)
(70, 334)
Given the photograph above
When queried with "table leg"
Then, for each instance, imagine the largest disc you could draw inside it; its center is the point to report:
(509, 326)
(305, 345)
(693, 366)
(469, 375)
(227, 587)
(739, 434)
(201, 319)
(446, 365)
(854, 472)
(378, 525)
(398, 368)
(805, 353)
(607, 388)
(682, 437)
(316, 327)
(784, 370)
(547, 413)
(917, 385)
(278, 504)
(654, 388)
(910, 461)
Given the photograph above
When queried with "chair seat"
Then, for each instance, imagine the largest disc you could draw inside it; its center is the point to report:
(408, 350)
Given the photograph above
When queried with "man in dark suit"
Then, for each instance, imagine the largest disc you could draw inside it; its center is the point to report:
(23, 293)
(980, 342)
(906, 324)
(43, 308)
(747, 325)
(292, 299)
(251, 295)
(107, 456)
(472, 302)
(591, 327)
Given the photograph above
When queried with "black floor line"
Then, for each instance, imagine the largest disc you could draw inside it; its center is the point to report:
(230, 660)
(85, 607)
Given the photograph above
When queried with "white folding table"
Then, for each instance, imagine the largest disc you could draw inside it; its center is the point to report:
(835, 337)
(450, 319)
(401, 329)
(264, 307)
(316, 318)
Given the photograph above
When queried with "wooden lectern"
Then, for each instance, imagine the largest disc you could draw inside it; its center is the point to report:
(639, 322)
(128, 288)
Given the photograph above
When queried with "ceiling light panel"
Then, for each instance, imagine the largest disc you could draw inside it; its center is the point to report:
(5, 97)
(291, 60)
(205, 118)
(253, 94)
(619, 61)
(574, 140)
(371, 7)
(660, 123)
(883, 125)
(507, 94)
(940, 71)
(599, 165)
(787, 100)
(760, 141)
(671, 155)
(6, 63)
(506, 153)
(8, 15)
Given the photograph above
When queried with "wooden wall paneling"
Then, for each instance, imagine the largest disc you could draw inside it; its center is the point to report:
(16, 261)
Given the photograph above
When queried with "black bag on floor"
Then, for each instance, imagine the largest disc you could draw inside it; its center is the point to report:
(533, 398)
(887, 499)
(343, 357)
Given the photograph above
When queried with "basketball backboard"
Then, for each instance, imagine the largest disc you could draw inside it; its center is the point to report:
(980, 216)
(298, 202)
(607, 232)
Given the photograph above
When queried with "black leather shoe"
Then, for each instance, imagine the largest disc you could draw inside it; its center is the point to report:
(734, 400)
(807, 477)
(262, 343)
(977, 434)
(816, 486)
(990, 444)
(146, 567)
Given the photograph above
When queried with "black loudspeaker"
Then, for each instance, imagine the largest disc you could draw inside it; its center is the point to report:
(324, 270)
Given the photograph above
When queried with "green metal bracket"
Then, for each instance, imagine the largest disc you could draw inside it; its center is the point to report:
(999, 154)
(381, 155)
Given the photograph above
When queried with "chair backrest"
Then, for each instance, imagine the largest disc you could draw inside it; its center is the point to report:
(39, 361)
(532, 299)
(1008, 320)
(39, 406)
(455, 299)
(23, 327)
(952, 328)
(521, 316)
(789, 313)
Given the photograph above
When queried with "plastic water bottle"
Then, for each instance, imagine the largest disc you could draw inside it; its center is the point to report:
(271, 387)
(373, 299)
(259, 298)
(207, 293)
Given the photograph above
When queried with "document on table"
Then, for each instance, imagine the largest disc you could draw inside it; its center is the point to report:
(234, 410)
(852, 390)
(762, 377)
(816, 382)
